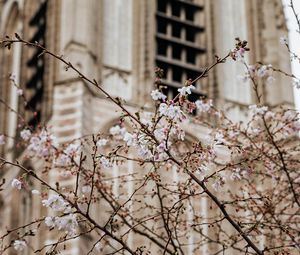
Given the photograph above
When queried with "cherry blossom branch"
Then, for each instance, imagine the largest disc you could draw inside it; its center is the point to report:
(146, 131)
(295, 14)
(74, 205)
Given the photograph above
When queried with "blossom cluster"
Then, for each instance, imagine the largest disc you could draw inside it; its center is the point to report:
(68, 221)
(258, 71)
(41, 144)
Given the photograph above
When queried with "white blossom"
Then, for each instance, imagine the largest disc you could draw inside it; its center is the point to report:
(86, 189)
(20, 92)
(16, 184)
(72, 149)
(50, 221)
(25, 134)
(101, 142)
(157, 95)
(67, 223)
(56, 203)
(186, 90)
(239, 54)
(129, 139)
(19, 245)
(180, 134)
(203, 106)
(236, 175)
(254, 131)
(219, 138)
(270, 79)
(218, 183)
(105, 162)
(288, 116)
(258, 110)
(63, 160)
(232, 134)
(163, 107)
(283, 40)
(42, 144)
(117, 130)
(269, 115)
(35, 192)
(146, 118)
(203, 169)
(162, 147)
(251, 70)
(296, 83)
(171, 111)
(244, 78)
(160, 134)
(262, 71)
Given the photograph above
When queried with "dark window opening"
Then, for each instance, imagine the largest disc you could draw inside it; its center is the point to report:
(162, 6)
(191, 56)
(170, 91)
(161, 26)
(162, 47)
(190, 74)
(177, 74)
(184, 32)
(176, 30)
(189, 14)
(190, 35)
(35, 81)
(164, 67)
(175, 9)
(176, 52)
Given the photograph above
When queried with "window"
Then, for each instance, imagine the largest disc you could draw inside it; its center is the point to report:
(34, 86)
(177, 46)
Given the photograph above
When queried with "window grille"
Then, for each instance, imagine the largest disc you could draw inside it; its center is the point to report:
(36, 64)
(178, 50)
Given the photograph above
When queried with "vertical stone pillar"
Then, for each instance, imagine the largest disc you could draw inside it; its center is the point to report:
(231, 22)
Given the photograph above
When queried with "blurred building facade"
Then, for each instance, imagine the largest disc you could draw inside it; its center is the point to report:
(119, 43)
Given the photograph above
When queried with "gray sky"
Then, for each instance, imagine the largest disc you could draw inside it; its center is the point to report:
(294, 39)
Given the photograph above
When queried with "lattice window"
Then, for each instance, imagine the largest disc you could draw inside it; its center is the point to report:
(178, 49)
(36, 65)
